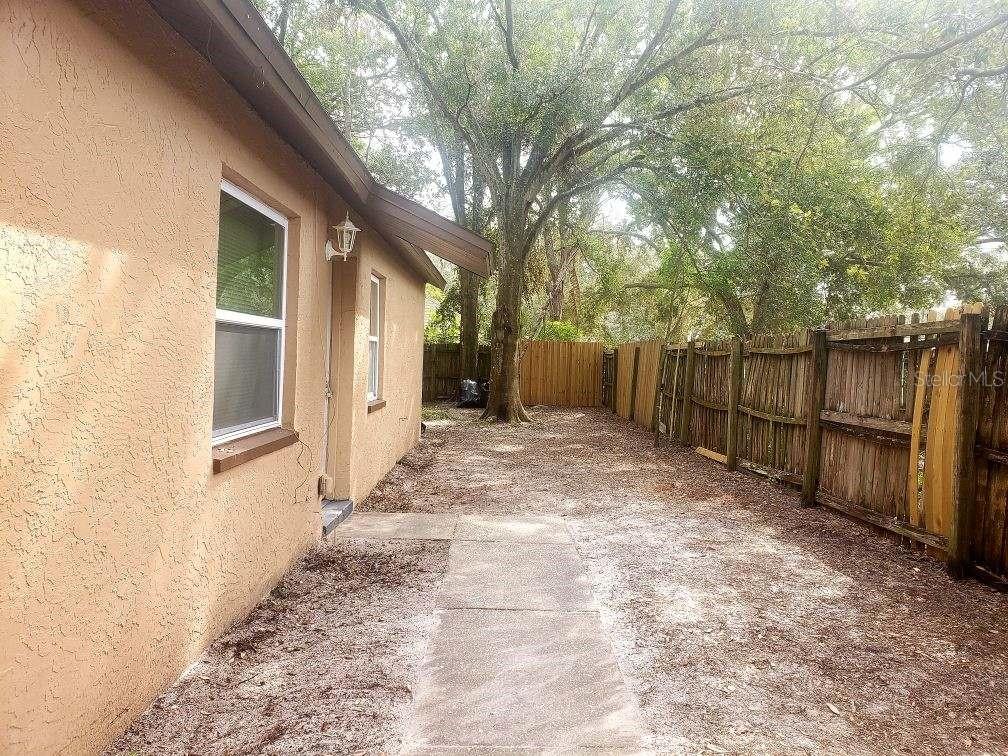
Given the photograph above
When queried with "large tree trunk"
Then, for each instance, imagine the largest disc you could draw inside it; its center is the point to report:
(282, 21)
(504, 403)
(555, 266)
(469, 327)
(555, 310)
(453, 166)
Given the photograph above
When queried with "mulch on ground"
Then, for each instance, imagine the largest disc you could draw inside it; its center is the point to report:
(325, 664)
(742, 622)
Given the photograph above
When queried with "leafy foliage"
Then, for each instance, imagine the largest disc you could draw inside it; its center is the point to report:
(559, 330)
(779, 164)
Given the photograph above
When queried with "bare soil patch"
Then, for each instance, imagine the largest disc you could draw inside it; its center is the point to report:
(325, 664)
(742, 622)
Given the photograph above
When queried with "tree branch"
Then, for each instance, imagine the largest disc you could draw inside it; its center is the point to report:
(380, 12)
(506, 26)
(925, 54)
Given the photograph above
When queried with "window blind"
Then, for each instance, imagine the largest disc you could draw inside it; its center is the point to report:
(246, 361)
(249, 337)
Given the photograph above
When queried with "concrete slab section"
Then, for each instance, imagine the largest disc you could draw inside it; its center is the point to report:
(333, 513)
(383, 525)
(501, 575)
(523, 529)
(520, 680)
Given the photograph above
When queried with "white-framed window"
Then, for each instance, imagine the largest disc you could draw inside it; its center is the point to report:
(249, 337)
(375, 337)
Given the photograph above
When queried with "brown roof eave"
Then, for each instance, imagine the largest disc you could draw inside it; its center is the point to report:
(430, 231)
(418, 260)
(234, 38)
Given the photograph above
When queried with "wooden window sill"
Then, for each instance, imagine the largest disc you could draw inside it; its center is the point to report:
(233, 453)
(375, 405)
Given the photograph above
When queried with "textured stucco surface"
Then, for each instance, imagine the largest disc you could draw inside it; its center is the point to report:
(382, 437)
(121, 555)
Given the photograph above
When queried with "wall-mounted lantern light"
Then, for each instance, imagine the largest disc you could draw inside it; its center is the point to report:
(346, 234)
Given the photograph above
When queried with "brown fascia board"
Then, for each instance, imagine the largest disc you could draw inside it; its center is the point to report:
(428, 230)
(417, 259)
(232, 35)
(234, 38)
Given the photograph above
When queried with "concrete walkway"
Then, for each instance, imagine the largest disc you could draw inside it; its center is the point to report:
(517, 662)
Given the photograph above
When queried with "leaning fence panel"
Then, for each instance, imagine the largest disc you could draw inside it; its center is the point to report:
(868, 431)
(773, 405)
(709, 397)
(669, 394)
(990, 535)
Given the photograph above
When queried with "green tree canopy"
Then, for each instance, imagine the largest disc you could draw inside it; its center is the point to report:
(781, 164)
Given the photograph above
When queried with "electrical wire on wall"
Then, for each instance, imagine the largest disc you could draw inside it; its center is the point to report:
(327, 393)
(302, 446)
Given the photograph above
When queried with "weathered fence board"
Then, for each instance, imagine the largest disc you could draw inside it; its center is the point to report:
(709, 420)
(866, 434)
(773, 401)
(875, 418)
(935, 504)
(670, 394)
(609, 379)
(990, 531)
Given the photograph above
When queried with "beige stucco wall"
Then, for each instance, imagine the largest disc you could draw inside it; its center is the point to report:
(121, 555)
(370, 443)
(383, 436)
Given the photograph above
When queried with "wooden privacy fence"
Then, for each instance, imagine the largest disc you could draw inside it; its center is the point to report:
(557, 373)
(901, 422)
(442, 370)
(562, 373)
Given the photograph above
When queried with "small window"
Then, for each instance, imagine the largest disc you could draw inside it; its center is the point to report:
(374, 338)
(249, 339)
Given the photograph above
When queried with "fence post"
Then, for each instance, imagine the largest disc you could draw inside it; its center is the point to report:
(659, 394)
(633, 383)
(615, 380)
(687, 405)
(669, 409)
(964, 451)
(604, 379)
(734, 389)
(813, 427)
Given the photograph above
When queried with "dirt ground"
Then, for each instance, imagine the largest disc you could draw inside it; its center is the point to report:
(325, 664)
(742, 622)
